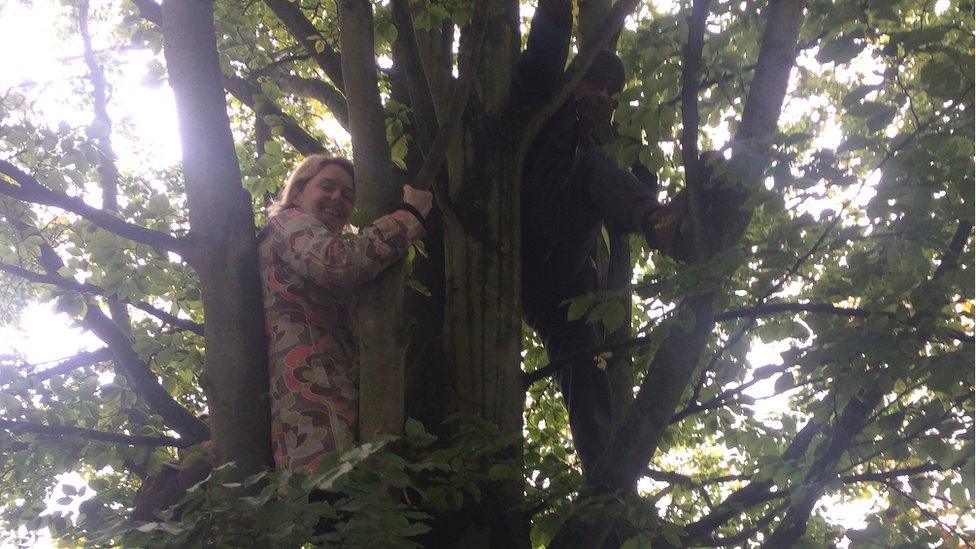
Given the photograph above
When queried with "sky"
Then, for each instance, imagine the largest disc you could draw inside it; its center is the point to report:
(43, 336)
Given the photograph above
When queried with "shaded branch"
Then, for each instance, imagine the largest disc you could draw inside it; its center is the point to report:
(318, 90)
(687, 482)
(963, 536)
(850, 423)
(21, 427)
(754, 493)
(150, 10)
(695, 174)
(950, 258)
(251, 95)
(303, 31)
(468, 61)
(764, 309)
(28, 189)
(108, 172)
(91, 289)
(80, 360)
(886, 476)
(144, 381)
(721, 398)
(132, 367)
(551, 368)
(409, 67)
(744, 535)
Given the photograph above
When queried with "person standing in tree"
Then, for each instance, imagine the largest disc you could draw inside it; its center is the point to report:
(570, 187)
(310, 271)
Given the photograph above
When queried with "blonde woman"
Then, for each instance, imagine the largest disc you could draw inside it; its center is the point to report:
(310, 270)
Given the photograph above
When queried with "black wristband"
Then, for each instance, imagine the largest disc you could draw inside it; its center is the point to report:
(416, 213)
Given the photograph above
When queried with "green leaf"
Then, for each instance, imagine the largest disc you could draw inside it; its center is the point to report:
(784, 383)
(868, 109)
(414, 428)
(578, 307)
(840, 51)
(640, 541)
(501, 471)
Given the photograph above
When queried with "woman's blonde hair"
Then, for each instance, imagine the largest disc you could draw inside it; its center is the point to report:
(305, 172)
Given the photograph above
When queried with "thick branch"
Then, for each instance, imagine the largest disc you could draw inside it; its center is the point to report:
(849, 425)
(318, 90)
(80, 360)
(694, 170)
(777, 54)
(235, 374)
(381, 320)
(752, 494)
(143, 379)
(551, 368)
(291, 130)
(150, 11)
(302, 29)
(28, 189)
(366, 120)
(887, 476)
(19, 427)
(468, 62)
(407, 65)
(951, 257)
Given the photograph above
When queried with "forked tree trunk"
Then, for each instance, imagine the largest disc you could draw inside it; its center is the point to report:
(481, 233)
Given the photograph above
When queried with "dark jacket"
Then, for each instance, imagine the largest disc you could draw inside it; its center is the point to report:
(569, 185)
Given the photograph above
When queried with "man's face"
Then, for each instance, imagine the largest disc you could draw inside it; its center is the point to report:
(595, 105)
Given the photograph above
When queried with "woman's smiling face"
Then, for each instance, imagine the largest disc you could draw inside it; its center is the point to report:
(329, 196)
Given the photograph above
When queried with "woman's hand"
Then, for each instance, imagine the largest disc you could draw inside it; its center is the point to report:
(421, 200)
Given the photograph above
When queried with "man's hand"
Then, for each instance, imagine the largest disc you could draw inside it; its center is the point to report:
(662, 228)
(421, 200)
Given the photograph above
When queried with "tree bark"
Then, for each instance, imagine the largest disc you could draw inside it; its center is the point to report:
(483, 316)
(382, 336)
(222, 227)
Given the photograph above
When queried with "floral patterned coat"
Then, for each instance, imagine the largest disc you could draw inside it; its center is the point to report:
(310, 275)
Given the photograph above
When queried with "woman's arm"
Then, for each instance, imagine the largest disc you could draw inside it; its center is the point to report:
(345, 260)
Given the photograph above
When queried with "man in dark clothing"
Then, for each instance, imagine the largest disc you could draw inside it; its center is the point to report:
(569, 188)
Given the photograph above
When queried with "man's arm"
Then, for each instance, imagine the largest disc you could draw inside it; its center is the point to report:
(546, 50)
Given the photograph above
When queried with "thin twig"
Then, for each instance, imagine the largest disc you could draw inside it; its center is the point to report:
(20, 427)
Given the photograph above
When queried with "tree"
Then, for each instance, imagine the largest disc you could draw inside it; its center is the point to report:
(870, 301)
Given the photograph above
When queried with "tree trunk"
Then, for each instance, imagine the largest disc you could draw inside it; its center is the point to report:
(382, 336)
(483, 314)
(224, 253)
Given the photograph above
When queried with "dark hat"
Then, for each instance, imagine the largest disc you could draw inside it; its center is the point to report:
(607, 69)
